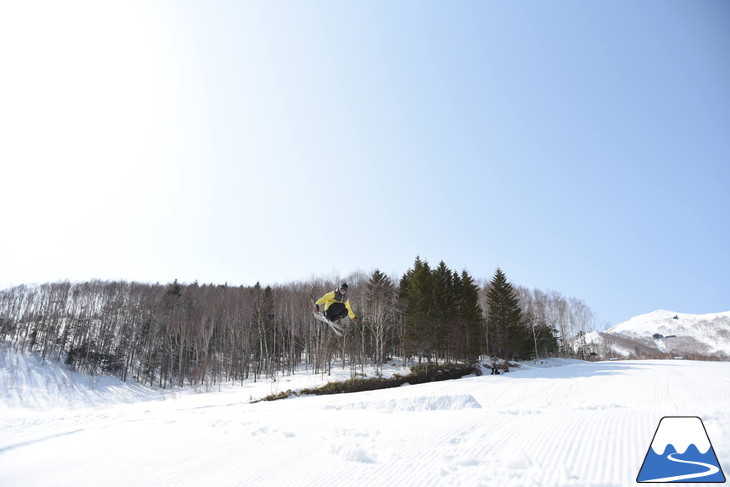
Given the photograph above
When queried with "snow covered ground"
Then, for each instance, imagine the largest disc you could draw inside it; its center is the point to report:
(557, 423)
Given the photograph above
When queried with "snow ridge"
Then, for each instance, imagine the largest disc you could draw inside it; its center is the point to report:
(427, 403)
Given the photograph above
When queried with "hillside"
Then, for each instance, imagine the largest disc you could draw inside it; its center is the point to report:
(552, 423)
(661, 334)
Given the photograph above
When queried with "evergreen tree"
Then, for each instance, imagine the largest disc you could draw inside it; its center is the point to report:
(508, 336)
(457, 336)
(470, 317)
(444, 311)
(547, 341)
(174, 289)
(416, 296)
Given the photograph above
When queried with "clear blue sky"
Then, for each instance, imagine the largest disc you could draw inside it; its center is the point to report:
(582, 146)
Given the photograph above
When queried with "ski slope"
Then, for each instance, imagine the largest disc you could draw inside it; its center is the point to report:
(557, 423)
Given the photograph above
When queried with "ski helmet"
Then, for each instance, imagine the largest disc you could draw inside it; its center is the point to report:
(343, 287)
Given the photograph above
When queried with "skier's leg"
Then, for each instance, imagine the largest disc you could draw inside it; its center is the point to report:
(334, 312)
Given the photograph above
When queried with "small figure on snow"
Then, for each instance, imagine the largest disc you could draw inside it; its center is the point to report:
(336, 304)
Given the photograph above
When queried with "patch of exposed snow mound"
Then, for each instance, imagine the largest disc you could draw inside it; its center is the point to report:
(427, 403)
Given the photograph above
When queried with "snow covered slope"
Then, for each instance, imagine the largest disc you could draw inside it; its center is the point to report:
(666, 332)
(28, 381)
(553, 423)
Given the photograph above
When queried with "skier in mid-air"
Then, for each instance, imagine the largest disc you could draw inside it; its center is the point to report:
(336, 305)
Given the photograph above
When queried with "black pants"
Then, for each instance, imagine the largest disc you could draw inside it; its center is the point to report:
(336, 311)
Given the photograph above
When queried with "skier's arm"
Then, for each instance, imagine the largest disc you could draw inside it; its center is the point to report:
(327, 298)
(349, 310)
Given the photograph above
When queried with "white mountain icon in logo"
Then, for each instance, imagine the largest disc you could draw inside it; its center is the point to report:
(681, 452)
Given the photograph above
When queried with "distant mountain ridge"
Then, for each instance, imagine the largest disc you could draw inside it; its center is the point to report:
(669, 321)
(666, 334)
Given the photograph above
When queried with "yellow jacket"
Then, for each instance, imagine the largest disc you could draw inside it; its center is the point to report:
(335, 297)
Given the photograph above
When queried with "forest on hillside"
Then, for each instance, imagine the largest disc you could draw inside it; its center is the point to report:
(177, 334)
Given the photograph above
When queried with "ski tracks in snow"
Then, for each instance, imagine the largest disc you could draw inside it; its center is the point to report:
(578, 426)
(465, 446)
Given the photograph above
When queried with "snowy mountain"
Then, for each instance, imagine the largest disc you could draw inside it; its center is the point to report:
(661, 334)
(555, 422)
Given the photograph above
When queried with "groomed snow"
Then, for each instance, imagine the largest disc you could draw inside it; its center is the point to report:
(556, 423)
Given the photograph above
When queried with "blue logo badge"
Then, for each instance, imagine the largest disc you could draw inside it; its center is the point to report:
(681, 452)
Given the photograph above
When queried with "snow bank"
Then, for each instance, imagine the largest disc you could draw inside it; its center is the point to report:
(28, 381)
(427, 403)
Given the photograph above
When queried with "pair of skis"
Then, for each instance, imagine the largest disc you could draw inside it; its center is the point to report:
(336, 327)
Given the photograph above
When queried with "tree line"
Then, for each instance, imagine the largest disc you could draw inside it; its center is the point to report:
(176, 334)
